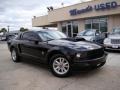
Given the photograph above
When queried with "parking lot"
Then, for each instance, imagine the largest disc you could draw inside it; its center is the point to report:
(32, 76)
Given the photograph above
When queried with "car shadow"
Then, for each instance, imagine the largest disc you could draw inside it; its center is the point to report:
(85, 72)
(77, 72)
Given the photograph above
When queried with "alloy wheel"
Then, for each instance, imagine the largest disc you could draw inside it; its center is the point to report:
(61, 65)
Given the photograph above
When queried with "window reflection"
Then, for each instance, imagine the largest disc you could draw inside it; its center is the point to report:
(70, 28)
(97, 23)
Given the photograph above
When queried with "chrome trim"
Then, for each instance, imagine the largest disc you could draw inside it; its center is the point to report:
(107, 48)
(115, 41)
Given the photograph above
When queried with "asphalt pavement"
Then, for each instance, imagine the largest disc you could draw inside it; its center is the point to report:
(31, 76)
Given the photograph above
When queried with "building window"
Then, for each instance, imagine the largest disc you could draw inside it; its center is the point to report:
(95, 26)
(96, 23)
(64, 29)
(103, 24)
(75, 29)
(88, 26)
(103, 27)
(70, 28)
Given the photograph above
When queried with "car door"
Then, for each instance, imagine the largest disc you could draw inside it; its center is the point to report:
(24, 43)
(32, 46)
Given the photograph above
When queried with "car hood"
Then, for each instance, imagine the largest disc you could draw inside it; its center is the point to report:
(77, 45)
(88, 38)
(114, 37)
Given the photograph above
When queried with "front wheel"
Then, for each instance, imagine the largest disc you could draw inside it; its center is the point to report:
(60, 66)
(15, 56)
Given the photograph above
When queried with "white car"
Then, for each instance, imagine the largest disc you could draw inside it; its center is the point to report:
(2, 38)
(112, 42)
(92, 35)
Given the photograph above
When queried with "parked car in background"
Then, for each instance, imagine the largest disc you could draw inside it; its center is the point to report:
(2, 38)
(112, 42)
(57, 50)
(92, 35)
(10, 36)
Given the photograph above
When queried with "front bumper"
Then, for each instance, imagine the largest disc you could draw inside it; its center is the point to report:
(112, 46)
(92, 61)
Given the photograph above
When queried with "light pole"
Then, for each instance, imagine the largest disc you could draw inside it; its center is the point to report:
(8, 28)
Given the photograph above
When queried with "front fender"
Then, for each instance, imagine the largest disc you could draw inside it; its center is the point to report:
(60, 50)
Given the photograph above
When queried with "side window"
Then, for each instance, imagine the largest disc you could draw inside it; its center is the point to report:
(81, 33)
(29, 36)
(26, 36)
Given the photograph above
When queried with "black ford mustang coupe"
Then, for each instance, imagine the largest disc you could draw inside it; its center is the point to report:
(55, 49)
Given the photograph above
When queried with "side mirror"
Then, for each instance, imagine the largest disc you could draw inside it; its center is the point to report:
(97, 34)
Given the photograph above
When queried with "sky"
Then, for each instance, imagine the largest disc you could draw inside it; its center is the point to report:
(19, 13)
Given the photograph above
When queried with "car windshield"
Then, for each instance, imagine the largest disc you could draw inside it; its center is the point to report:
(81, 33)
(51, 35)
(89, 33)
(116, 31)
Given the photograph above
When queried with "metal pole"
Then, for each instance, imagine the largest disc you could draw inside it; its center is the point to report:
(8, 28)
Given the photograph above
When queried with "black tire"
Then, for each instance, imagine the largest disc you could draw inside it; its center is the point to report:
(98, 66)
(51, 64)
(15, 58)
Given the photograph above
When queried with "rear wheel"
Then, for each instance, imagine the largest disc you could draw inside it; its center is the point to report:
(15, 55)
(60, 66)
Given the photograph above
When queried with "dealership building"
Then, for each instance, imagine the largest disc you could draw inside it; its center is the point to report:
(103, 15)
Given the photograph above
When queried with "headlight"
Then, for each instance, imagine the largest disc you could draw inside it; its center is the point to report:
(78, 55)
(107, 40)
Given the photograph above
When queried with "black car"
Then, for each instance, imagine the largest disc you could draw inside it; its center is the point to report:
(92, 35)
(57, 51)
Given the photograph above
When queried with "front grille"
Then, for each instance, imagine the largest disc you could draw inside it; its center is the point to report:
(93, 54)
(115, 41)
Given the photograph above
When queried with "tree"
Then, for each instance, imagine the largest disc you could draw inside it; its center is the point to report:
(3, 30)
(22, 29)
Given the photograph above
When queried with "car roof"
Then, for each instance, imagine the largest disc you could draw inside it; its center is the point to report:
(91, 29)
(36, 31)
(88, 30)
(41, 30)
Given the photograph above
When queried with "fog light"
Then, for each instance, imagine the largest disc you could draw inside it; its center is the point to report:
(78, 55)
